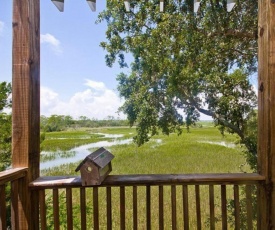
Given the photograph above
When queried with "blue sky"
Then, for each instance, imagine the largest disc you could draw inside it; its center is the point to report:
(74, 77)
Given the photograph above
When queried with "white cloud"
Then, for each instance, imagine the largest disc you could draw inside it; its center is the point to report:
(2, 24)
(95, 85)
(52, 42)
(255, 89)
(97, 101)
(49, 99)
(7, 110)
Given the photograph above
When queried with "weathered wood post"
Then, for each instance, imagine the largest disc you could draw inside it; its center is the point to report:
(266, 122)
(26, 105)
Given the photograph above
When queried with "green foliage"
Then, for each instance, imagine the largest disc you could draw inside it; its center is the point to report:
(179, 39)
(5, 91)
(55, 123)
(250, 140)
(183, 61)
(182, 64)
(62, 122)
(5, 141)
(5, 126)
(62, 211)
(243, 206)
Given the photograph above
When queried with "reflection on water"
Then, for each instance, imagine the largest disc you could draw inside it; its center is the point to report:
(79, 153)
(50, 156)
(222, 143)
(110, 135)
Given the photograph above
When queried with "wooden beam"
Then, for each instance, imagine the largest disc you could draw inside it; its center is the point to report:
(230, 5)
(92, 4)
(59, 4)
(266, 112)
(161, 5)
(26, 103)
(197, 5)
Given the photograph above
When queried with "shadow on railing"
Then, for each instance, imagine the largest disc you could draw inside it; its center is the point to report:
(201, 201)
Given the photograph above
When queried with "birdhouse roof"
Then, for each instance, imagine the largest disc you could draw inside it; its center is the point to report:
(100, 157)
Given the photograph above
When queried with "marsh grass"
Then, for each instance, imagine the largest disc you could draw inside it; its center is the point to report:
(173, 154)
(59, 154)
(64, 140)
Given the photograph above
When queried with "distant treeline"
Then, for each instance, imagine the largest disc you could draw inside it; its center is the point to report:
(62, 122)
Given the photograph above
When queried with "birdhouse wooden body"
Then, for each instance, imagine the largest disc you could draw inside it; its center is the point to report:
(95, 167)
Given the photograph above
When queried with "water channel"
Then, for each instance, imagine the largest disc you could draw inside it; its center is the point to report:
(80, 152)
(221, 143)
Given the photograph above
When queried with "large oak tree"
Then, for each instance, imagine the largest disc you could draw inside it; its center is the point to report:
(185, 62)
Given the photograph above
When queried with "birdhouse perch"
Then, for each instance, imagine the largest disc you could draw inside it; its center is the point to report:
(95, 167)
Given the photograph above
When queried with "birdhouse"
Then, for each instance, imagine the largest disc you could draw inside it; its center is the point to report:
(95, 167)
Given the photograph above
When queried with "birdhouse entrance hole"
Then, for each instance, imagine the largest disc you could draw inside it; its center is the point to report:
(89, 169)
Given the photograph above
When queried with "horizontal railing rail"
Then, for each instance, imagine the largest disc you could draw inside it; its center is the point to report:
(173, 201)
(150, 179)
(9, 196)
(12, 174)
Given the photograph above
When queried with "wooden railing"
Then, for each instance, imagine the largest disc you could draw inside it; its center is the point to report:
(10, 199)
(196, 201)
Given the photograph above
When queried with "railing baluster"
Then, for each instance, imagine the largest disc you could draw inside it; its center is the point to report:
(18, 195)
(56, 209)
(122, 207)
(69, 208)
(34, 206)
(224, 209)
(212, 207)
(161, 217)
(96, 209)
(83, 212)
(174, 207)
(3, 214)
(42, 204)
(185, 207)
(109, 207)
(14, 205)
(135, 210)
(198, 206)
(145, 184)
(148, 207)
(258, 207)
(249, 201)
(237, 206)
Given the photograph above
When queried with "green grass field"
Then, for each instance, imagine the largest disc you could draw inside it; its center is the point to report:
(202, 150)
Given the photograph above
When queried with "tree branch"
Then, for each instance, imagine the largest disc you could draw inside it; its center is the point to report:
(240, 52)
(221, 120)
(218, 117)
(231, 33)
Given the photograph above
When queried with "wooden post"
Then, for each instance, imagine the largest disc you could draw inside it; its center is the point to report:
(266, 115)
(26, 104)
